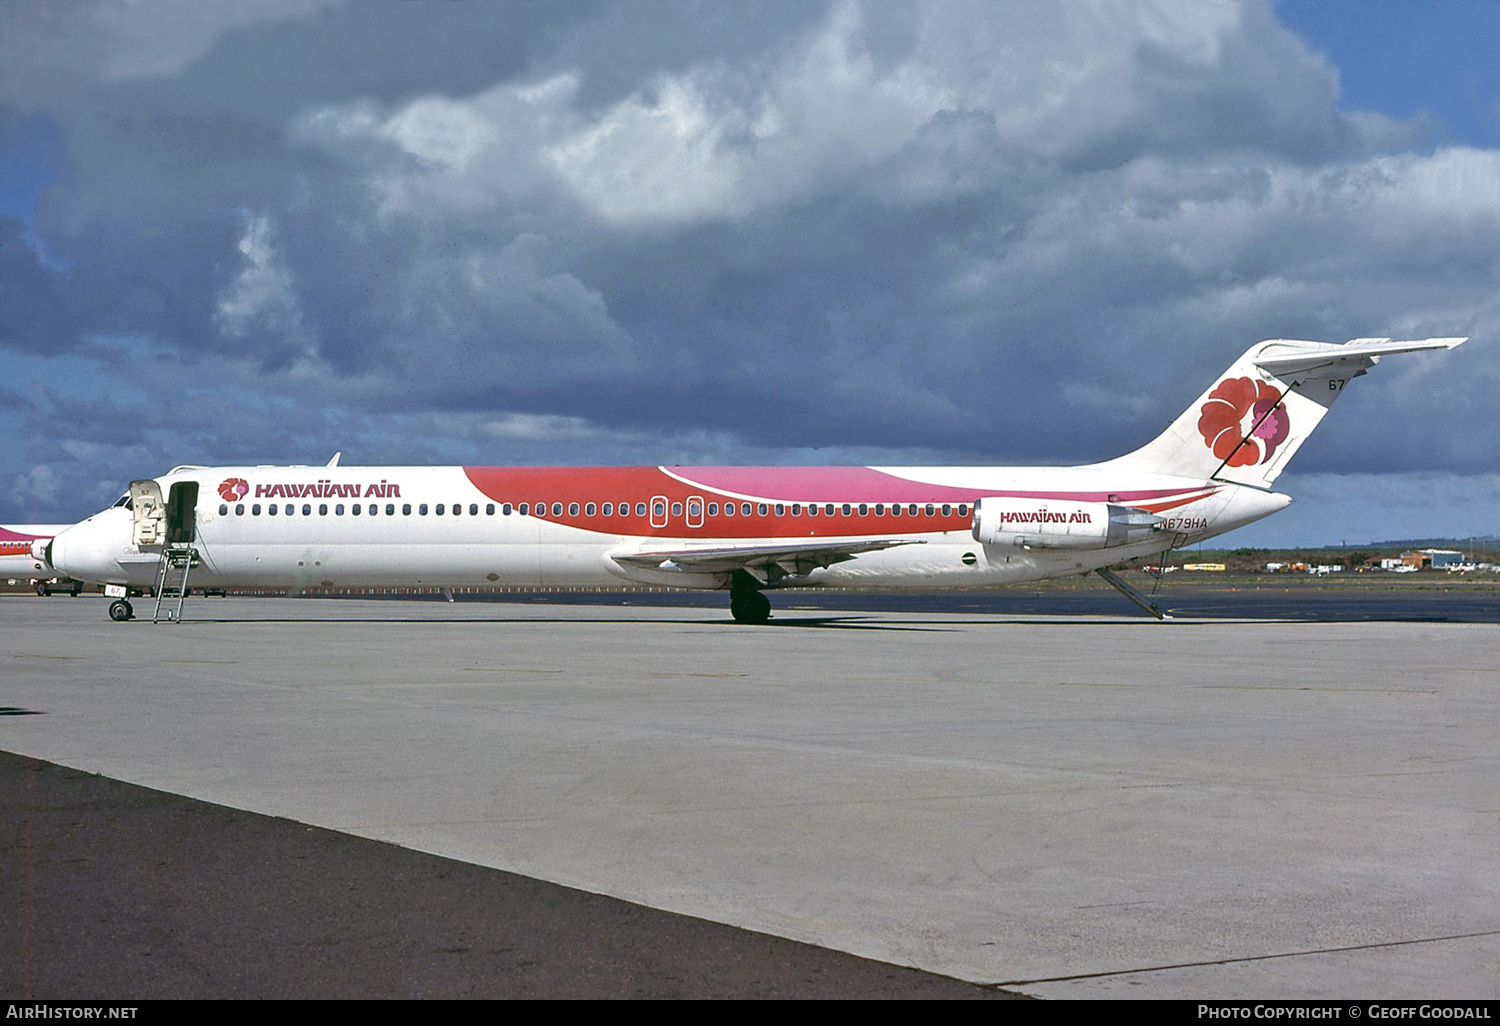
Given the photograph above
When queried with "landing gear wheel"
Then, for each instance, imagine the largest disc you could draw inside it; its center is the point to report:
(750, 607)
(120, 611)
(43, 589)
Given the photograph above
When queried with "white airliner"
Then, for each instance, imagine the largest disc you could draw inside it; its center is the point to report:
(18, 562)
(741, 529)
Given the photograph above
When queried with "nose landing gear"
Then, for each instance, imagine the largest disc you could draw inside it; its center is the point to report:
(120, 610)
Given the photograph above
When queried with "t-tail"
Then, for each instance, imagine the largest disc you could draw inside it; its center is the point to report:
(1247, 426)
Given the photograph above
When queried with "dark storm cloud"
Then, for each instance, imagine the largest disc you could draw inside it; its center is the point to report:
(34, 308)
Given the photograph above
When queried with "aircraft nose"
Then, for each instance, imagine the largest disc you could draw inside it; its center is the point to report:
(54, 551)
(80, 552)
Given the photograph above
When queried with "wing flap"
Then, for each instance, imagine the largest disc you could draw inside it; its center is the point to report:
(766, 562)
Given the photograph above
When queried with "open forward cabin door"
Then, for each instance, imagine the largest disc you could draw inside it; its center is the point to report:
(148, 513)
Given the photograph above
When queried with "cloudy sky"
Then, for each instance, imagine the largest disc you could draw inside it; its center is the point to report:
(785, 231)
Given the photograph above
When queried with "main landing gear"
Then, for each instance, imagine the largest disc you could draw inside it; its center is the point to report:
(746, 602)
(120, 610)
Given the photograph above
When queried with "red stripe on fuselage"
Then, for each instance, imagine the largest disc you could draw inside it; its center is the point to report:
(7, 535)
(1162, 507)
(793, 488)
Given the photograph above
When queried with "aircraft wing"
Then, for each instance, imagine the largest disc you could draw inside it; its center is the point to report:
(1288, 357)
(767, 563)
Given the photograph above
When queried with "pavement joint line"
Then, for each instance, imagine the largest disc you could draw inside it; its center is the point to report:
(1246, 958)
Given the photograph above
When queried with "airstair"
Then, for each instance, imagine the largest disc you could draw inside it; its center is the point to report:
(173, 525)
(172, 570)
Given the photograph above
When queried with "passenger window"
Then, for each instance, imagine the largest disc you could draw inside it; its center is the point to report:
(947, 509)
(729, 509)
(744, 509)
(590, 509)
(505, 509)
(658, 509)
(780, 509)
(422, 509)
(223, 509)
(713, 509)
(474, 509)
(963, 509)
(440, 508)
(406, 509)
(812, 509)
(489, 510)
(928, 510)
(307, 509)
(458, 510)
(524, 509)
(677, 509)
(846, 509)
(271, 509)
(609, 509)
(255, 510)
(322, 509)
(338, 510)
(895, 509)
(572, 509)
(355, 510)
(880, 509)
(557, 509)
(762, 509)
(239, 509)
(640, 509)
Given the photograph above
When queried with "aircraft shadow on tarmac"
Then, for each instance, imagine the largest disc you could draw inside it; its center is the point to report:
(874, 621)
(859, 623)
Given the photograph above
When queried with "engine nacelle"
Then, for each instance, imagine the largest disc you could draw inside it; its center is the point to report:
(1056, 524)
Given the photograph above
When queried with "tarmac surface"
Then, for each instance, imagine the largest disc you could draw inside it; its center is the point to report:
(1084, 806)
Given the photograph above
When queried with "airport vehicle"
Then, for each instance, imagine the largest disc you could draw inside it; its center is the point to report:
(745, 530)
(21, 558)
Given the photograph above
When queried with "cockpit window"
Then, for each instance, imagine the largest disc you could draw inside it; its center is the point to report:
(123, 500)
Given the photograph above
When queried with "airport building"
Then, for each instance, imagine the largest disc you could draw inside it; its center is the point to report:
(1437, 559)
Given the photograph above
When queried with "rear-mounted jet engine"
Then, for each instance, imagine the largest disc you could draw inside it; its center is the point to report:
(1049, 524)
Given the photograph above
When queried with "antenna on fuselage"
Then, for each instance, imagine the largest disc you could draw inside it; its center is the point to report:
(335, 461)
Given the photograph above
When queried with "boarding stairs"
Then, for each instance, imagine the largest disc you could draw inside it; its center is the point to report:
(172, 570)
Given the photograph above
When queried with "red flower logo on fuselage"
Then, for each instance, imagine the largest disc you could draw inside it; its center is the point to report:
(1243, 409)
(234, 489)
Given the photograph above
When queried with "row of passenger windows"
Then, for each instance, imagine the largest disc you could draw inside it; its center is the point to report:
(609, 509)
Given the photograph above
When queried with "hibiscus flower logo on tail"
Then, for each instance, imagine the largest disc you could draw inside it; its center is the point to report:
(1230, 416)
(234, 489)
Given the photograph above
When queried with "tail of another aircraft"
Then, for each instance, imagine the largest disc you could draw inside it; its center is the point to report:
(1248, 424)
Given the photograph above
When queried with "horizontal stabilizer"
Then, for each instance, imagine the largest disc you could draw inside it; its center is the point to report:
(1291, 357)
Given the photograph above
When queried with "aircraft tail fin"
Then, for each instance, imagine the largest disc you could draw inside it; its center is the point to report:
(1246, 427)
